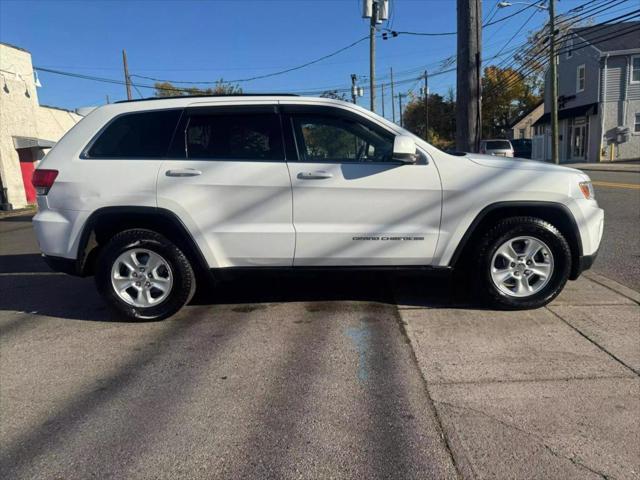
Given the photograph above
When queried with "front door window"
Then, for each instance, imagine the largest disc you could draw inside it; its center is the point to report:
(335, 139)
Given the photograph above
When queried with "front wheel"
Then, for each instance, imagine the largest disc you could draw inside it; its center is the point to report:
(143, 276)
(523, 262)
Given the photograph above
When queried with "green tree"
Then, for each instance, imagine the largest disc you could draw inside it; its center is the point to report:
(506, 94)
(442, 118)
(167, 89)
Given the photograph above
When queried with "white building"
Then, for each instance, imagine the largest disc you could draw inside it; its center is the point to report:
(27, 129)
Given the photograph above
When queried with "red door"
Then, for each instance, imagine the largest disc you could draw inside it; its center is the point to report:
(27, 166)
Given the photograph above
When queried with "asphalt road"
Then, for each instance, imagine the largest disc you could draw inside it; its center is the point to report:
(619, 256)
(299, 377)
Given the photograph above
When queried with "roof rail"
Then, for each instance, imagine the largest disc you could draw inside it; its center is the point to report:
(211, 96)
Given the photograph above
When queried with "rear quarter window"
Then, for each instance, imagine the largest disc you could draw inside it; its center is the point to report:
(136, 135)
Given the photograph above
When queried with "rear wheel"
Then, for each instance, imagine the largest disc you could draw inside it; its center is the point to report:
(143, 276)
(523, 262)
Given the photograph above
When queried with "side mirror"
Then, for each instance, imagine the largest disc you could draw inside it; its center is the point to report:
(404, 149)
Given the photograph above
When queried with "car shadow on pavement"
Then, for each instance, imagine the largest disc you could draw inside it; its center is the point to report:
(28, 285)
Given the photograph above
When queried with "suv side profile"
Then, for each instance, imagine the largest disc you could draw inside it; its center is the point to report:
(151, 197)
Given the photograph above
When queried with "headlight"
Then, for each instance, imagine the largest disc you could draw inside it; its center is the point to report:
(587, 190)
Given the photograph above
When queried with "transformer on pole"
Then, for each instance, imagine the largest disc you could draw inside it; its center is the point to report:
(376, 11)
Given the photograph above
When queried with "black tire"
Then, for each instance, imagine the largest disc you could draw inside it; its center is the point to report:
(184, 283)
(512, 228)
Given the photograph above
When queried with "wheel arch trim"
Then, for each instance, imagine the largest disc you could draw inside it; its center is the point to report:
(561, 208)
(150, 213)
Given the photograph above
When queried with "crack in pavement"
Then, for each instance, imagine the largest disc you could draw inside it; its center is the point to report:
(582, 334)
(540, 440)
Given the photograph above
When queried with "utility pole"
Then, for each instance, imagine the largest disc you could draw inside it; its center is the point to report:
(554, 83)
(400, 95)
(108, 99)
(468, 112)
(127, 79)
(393, 105)
(382, 97)
(426, 105)
(354, 88)
(372, 55)
(376, 11)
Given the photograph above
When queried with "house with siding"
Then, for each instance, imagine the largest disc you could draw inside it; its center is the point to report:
(598, 96)
(522, 127)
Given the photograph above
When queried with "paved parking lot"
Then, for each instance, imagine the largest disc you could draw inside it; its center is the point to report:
(324, 376)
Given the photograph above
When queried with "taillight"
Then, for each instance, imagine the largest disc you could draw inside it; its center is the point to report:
(43, 179)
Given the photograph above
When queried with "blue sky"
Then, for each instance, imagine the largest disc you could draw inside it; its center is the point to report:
(207, 40)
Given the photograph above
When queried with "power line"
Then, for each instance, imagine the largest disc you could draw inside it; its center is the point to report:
(318, 90)
(259, 77)
(528, 67)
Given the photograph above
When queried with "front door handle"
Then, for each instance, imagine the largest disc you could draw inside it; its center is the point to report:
(314, 175)
(183, 172)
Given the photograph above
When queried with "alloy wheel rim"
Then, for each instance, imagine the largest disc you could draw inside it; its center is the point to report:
(141, 277)
(522, 266)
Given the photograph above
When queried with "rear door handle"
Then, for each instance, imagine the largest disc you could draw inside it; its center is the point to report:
(183, 172)
(314, 175)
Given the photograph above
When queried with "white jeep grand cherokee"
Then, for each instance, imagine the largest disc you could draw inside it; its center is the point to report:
(149, 196)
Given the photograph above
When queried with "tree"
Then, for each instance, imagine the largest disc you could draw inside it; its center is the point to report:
(334, 94)
(505, 95)
(167, 89)
(442, 118)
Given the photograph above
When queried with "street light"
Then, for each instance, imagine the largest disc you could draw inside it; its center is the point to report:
(554, 70)
(541, 6)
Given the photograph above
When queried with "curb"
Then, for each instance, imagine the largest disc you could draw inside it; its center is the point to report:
(616, 287)
(614, 170)
(18, 212)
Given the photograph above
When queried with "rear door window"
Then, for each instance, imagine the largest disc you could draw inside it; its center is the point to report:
(498, 145)
(137, 135)
(229, 136)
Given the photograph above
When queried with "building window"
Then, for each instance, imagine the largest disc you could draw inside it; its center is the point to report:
(580, 79)
(522, 133)
(636, 125)
(570, 48)
(635, 69)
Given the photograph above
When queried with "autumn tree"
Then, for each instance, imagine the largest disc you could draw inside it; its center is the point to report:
(505, 95)
(167, 89)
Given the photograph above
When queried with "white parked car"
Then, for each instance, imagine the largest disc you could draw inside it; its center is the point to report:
(152, 196)
(498, 147)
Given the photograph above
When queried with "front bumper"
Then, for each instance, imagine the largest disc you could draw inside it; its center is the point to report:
(585, 262)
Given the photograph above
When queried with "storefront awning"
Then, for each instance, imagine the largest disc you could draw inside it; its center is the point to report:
(579, 111)
(30, 142)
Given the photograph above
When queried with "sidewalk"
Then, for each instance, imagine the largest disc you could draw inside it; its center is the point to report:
(628, 167)
(547, 393)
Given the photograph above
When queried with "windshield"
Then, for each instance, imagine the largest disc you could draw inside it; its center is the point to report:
(498, 145)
